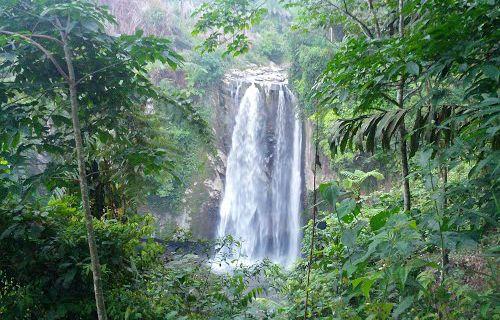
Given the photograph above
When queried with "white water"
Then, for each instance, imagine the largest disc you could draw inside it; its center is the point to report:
(261, 203)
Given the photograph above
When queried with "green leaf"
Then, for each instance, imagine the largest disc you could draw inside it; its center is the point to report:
(366, 283)
(349, 237)
(380, 219)
(402, 306)
(91, 26)
(16, 139)
(412, 68)
(68, 277)
(491, 71)
(366, 286)
(8, 231)
(330, 192)
(345, 208)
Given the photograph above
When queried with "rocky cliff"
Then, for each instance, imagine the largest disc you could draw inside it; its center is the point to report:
(199, 212)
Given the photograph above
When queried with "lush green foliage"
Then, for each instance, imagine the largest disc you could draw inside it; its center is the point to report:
(233, 17)
(380, 94)
(46, 264)
(421, 76)
(372, 261)
(45, 270)
(114, 91)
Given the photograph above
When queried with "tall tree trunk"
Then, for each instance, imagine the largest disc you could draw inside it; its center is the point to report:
(405, 168)
(402, 130)
(401, 18)
(84, 189)
(445, 252)
(314, 215)
(97, 193)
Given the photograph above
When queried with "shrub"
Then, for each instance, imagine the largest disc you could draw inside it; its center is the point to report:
(45, 259)
(272, 46)
(45, 271)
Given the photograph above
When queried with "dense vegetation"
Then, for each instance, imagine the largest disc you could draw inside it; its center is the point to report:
(97, 116)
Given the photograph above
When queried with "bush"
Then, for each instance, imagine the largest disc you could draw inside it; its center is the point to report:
(205, 70)
(374, 261)
(45, 271)
(46, 264)
(272, 46)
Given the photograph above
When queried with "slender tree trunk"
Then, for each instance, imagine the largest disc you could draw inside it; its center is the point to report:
(403, 150)
(402, 130)
(98, 193)
(444, 181)
(401, 18)
(94, 257)
(314, 214)
(445, 252)
(405, 168)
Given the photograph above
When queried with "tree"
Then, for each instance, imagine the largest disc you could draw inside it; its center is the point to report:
(60, 42)
(415, 72)
(370, 73)
(226, 22)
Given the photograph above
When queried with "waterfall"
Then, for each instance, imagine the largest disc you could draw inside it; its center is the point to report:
(261, 203)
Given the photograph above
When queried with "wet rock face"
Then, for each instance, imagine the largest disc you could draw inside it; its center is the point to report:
(230, 92)
(256, 74)
(324, 172)
(202, 204)
(200, 208)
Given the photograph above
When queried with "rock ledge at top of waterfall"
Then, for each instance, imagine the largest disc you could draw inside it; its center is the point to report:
(254, 73)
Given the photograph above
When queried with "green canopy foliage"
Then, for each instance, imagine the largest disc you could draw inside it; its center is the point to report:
(404, 100)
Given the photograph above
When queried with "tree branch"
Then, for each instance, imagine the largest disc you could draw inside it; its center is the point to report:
(100, 70)
(362, 25)
(43, 36)
(409, 94)
(375, 19)
(41, 48)
(388, 98)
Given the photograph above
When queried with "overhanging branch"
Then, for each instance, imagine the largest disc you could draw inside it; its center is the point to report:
(47, 53)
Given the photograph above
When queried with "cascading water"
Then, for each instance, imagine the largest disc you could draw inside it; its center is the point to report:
(261, 204)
